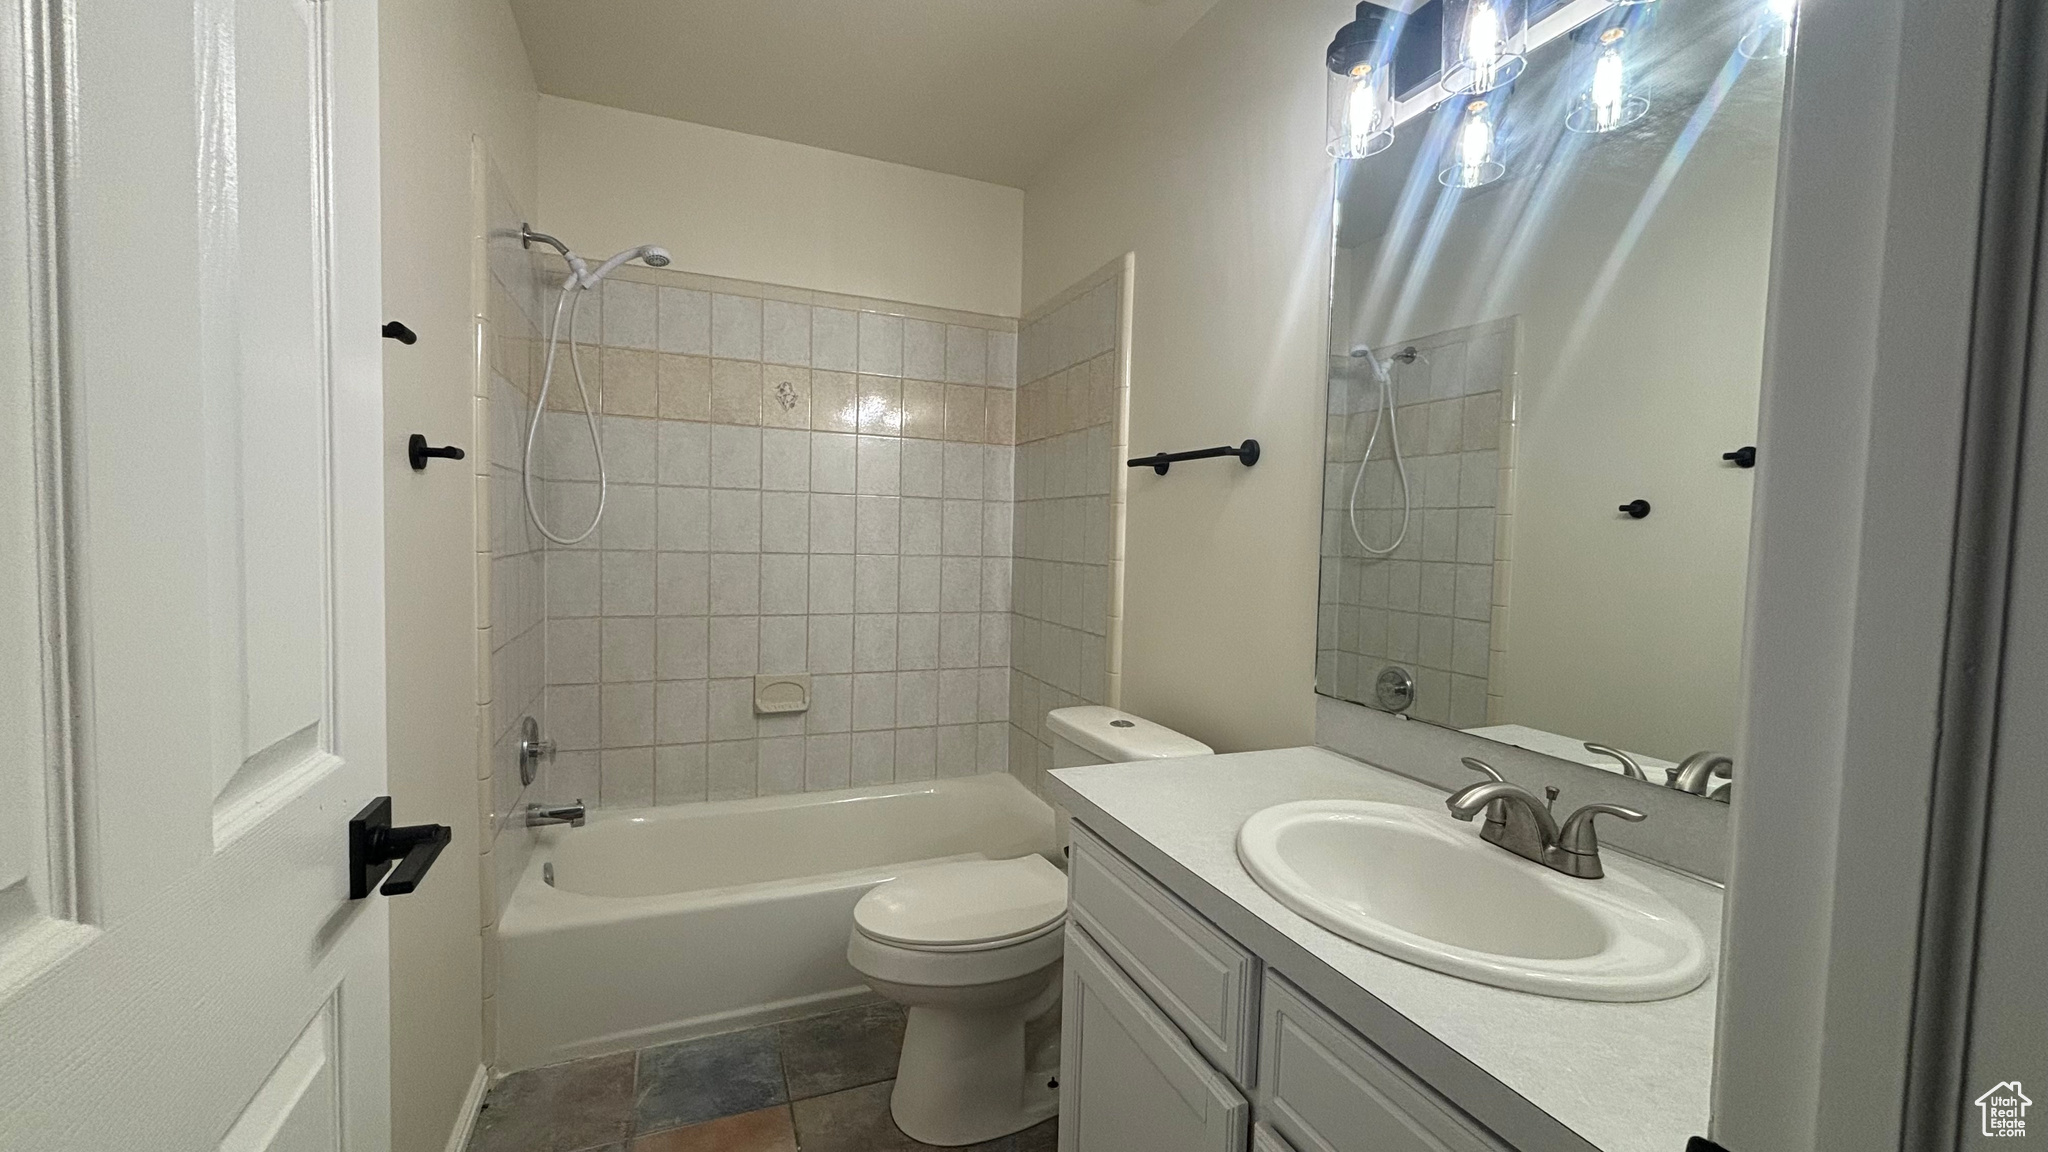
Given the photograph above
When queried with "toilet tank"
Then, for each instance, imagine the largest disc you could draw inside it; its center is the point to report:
(1093, 734)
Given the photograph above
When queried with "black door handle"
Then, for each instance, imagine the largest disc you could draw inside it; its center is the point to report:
(1636, 509)
(417, 451)
(373, 844)
(1743, 457)
(393, 330)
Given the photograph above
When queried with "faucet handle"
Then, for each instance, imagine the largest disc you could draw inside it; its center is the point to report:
(1577, 836)
(1480, 766)
(1629, 767)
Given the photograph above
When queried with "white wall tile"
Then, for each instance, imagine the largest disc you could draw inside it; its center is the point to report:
(685, 453)
(735, 584)
(878, 466)
(682, 583)
(876, 583)
(785, 333)
(785, 460)
(832, 524)
(881, 344)
(785, 522)
(735, 327)
(923, 467)
(685, 324)
(924, 350)
(966, 355)
(735, 457)
(629, 314)
(835, 340)
(832, 462)
(682, 648)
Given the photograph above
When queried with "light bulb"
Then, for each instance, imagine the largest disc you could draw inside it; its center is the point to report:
(1473, 151)
(1483, 44)
(1609, 100)
(1770, 37)
(1475, 142)
(1607, 90)
(1364, 114)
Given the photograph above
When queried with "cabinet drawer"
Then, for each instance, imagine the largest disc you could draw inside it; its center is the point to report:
(1129, 1081)
(1204, 982)
(1264, 1139)
(1326, 1089)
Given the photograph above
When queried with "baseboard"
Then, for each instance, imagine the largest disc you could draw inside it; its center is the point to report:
(472, 1103)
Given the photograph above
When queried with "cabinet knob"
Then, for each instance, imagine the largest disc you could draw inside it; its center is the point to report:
(1636, 509)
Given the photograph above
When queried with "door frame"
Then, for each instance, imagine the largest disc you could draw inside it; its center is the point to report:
(1881, 542)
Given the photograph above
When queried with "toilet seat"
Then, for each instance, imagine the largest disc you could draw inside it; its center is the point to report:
(967, 906)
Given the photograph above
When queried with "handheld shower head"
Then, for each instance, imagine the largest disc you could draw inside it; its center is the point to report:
(649, 254)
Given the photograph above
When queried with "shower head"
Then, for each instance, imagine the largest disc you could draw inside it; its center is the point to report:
(649, 254)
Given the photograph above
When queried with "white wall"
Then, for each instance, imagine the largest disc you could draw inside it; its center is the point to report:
(1214, 175)
(449, 71)
(1631, 392)
(729, 204)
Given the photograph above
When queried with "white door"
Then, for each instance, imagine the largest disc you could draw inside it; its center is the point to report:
(192, 701)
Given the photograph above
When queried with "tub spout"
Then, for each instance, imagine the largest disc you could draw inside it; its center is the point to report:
(538, 815)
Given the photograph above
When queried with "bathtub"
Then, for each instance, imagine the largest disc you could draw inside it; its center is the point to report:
(661, 924)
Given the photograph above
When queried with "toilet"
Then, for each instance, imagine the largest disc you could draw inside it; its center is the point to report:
(973, 949)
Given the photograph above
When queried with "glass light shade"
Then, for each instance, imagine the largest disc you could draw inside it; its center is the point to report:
(1610, 94)
(1361, 111)
(1770, 37)
(1475, 149)
(1484, 43)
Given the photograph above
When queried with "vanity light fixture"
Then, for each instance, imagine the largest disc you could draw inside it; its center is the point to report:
(1610, 95)
(1472, 149)
(1361, 64)
(1484, 44)
(1770, 37)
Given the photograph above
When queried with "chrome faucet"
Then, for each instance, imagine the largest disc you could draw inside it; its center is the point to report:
(1695, 774)
(539, 815)
(1517, 821)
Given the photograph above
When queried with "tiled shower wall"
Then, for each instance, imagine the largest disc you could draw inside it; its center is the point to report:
(799, 483)
(1437, 606)
(1071, 439)
(514, 590)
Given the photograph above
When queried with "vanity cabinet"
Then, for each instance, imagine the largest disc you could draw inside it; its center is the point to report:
(1128, 1080)
(1175, 1039)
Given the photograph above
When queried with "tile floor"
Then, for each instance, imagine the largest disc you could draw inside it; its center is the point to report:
(820, 1084)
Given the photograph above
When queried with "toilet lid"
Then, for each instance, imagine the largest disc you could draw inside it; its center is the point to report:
(966, 903)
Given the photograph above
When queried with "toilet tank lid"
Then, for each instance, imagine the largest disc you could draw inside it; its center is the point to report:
(1119, 736)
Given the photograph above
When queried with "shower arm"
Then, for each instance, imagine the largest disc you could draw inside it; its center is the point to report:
(527, 238)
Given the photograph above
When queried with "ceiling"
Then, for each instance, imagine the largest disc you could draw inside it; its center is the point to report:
(987, 89)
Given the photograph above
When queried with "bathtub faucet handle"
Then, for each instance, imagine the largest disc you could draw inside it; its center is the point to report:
(539, 815)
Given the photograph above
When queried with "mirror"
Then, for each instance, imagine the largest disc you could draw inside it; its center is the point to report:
(1573, 352)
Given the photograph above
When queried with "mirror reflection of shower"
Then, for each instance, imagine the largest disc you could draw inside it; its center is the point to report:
(1383, 373)
(581, 279)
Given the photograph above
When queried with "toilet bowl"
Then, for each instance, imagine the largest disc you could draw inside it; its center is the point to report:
(973, 950)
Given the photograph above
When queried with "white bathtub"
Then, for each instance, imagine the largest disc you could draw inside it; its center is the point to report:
(667, 923)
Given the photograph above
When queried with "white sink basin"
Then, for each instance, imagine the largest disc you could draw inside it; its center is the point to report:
(1425, 888)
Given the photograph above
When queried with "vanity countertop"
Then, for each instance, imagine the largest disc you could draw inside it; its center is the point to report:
(1616, 1077)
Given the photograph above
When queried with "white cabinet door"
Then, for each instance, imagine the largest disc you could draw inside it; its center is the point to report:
(1129, 1082)
(1326, 1089)
(192, 492)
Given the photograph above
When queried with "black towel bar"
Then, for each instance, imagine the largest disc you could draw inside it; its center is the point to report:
(1246, 453)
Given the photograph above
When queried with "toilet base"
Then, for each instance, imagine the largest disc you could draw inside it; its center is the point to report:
(964, 1077)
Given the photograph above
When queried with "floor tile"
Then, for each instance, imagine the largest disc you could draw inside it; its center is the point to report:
(563, 1108)
(857, 1120)
(699, 1080)
(845, 1049)
(768, 1130)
